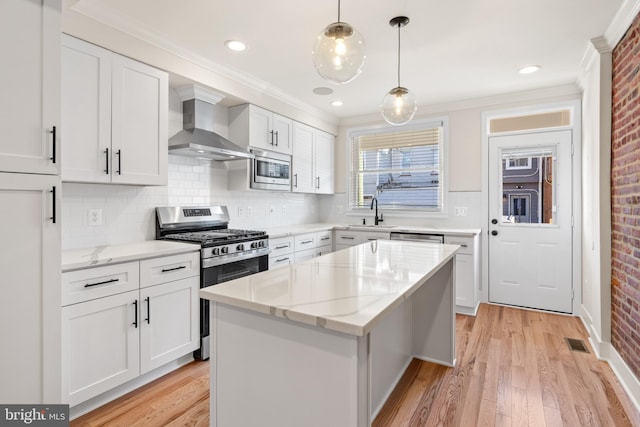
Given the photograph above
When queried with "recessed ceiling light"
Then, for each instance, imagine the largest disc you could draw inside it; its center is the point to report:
(529, 69)
(337, 103)
(323, 90)
(235, 45)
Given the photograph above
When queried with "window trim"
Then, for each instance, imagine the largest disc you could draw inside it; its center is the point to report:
(442, 121)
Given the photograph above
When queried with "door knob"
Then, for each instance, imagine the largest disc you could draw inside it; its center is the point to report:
(494, 232)
(494, 221)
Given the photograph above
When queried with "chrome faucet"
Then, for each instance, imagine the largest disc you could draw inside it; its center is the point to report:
(376, 219)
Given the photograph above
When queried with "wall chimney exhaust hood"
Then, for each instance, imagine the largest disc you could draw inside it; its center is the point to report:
(197, 138)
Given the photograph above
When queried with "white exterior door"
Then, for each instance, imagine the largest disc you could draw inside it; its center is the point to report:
(530, 230)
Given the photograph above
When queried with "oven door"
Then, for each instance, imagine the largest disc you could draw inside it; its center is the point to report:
(219, 274)
(270, 171)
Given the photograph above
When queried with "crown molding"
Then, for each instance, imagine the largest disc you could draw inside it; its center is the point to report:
(622, 21)
(141, 31)
(566, 90)
(198, 92)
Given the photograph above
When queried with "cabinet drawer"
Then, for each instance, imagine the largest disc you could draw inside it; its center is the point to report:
(279, 261)
(324, 238)
(305, 241)
(349, 238)
(465, 243)
(305, 255)
(169, 268)
(280, 246)
(98, 282)
(375, 235)
(323, 250)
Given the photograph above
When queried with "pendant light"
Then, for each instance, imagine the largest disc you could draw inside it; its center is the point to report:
(399, 104)
(338, 52)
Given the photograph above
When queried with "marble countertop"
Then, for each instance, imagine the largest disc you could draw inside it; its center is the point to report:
(292, 230)
(75, 259)
(347, 291)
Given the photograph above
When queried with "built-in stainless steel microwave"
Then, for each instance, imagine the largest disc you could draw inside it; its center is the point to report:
(270, 171)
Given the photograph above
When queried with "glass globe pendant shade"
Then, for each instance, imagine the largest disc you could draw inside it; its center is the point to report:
(339, 53)
(399, 106)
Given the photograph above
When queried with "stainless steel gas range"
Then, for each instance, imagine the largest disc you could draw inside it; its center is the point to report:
(226, 254)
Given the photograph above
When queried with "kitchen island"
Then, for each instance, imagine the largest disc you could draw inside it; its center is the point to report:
(324, 342)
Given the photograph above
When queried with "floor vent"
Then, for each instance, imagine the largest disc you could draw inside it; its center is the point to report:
(576, 345)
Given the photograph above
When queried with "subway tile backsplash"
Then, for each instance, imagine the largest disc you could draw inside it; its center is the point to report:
(128, 212)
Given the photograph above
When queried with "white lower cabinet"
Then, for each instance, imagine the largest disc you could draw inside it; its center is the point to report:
(99, 346)
(112, 334)
(467, 273)
(347, 238)
(167, 329)
(300, 247)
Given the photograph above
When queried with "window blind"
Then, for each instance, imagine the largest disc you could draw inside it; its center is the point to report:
(402, 169)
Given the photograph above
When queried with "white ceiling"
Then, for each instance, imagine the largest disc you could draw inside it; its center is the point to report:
(451, 50)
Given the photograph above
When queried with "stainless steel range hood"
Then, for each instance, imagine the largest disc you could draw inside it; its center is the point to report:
(197, 139)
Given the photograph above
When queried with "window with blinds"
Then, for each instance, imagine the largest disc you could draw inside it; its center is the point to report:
(402, 169)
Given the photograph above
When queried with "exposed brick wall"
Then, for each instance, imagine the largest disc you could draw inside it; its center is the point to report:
(625, 199)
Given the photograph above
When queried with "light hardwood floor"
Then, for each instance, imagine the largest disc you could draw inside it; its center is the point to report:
(513, 369)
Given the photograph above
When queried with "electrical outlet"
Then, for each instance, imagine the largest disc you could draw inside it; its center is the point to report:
(339, 209)
(249, 211)
(240, 211)
(284, 211)
(94, 217)
(460, 211)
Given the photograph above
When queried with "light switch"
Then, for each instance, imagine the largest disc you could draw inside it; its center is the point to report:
(94, 217)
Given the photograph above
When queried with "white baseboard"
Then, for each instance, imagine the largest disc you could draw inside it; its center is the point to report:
(106, 397)
(605, 351)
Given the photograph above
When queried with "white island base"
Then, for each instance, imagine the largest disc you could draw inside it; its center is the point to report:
(324, 342)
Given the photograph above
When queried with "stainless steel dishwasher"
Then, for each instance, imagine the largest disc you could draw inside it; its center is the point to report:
(412, 236)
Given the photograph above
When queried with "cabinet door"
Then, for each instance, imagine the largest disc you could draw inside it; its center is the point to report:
(86, 111)
(30, 103)
(323, 162)
(260, 128)
(465, 285)
(282, 132)
(302, 160)
(169, 316)
(30, 276)
(139, 123)
(100, 346)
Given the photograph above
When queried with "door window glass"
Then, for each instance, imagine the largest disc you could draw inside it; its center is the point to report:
(528, 185)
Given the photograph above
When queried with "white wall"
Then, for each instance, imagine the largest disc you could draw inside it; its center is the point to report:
(596, 226)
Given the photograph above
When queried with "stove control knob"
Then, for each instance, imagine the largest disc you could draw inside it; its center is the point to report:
(224, 250)
(215, 251)
(240, 247)
(254, 245)
(262, 243)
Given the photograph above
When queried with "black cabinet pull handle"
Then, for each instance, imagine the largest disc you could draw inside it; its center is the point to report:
(135, 321)
(106, 156)
(304, 242)
(318, 182)
(164, 270)
(494, 233)
(119, 153)
(295, 176)
(53, 134)
(277, 138)
(282, 247)
(88, 285)
(282, 259)
(148, 319)
(347, 237)
(53, 204)
(271, 132)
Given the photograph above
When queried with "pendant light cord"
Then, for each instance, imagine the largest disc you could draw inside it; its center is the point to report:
(338, 10)
(398, 54)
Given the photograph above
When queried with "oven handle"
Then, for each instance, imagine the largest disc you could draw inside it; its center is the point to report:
(231, 258)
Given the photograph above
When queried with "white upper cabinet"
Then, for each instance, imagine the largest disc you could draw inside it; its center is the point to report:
(30, 105)
(302, 161)
(114, 112)
(252, 126)
(312, 162)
